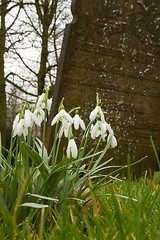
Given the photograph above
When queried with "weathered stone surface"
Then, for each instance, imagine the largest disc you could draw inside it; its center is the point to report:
(113, 47)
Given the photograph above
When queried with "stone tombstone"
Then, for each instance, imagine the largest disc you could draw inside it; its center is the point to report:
(113, 47)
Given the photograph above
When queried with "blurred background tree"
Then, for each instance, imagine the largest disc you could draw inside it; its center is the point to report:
(31, 34)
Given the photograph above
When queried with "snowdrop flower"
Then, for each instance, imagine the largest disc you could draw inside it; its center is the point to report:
(111, 136)
(97, 112)
(20, 128)
(16, 120)
(65, 128)
(77, 121)
(113, 140)
(30, 119)
(72, 149)
(98, 129)
(39, 113)
(41, 101)
(60, 116)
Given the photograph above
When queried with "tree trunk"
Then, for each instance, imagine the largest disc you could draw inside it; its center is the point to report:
(44, 52)
(3, 107)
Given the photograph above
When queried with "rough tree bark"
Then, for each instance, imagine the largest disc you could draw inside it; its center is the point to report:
(3, 107)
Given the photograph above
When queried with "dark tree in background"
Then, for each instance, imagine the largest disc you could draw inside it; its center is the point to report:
(30, 41)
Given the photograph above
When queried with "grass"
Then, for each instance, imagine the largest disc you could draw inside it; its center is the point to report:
(119, 210)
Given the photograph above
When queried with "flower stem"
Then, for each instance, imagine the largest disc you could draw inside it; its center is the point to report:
(44, 130)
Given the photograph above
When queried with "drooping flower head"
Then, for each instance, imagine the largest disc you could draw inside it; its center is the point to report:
(65, 119)
(101, 127)
(30, 119)
(97, 113)
(62, 115)
(98, 129)
(77, 121)
(19, 127)
(111, 138)
(72, 149)
(43, 101)
(65, 128)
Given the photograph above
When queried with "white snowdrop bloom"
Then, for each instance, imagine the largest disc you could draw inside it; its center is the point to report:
(65, 128)
(97, 112)
(72, 149)
(78, 122)
(30, 119)
(39, 113)
(41, 101)
(16, 120)
(98, 129)
(67, 132)
(113, 140)
(60, 116)
(20, 129)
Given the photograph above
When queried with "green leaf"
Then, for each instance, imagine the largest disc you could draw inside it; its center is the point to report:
(155, 152)
(37, 160)
(39, 146)
(43, 197)
(34, 205)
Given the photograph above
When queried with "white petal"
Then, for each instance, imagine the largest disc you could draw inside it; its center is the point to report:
(56, 118)
(68, 150)
(113, 142)
(82, 124)
(103, 129)
(68, 117)
(101, 115)
(62, 114)
(93, 114)
(15, 122)
(108, 126)
(41, 100)
(67, 132)
(94, 130)
(36, 120)
(65, 123)
(19, 128)
(73, 148)
(76, 121)
(49, 103)
(25, 131)
(28, 119)
(96, 113)
(61, 132)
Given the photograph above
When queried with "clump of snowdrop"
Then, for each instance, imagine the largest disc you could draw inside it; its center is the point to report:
(101, 126)
(66, 128)
(100, 129)
(19, 127)
(26, 118)
(65, 119)
(42, 104)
